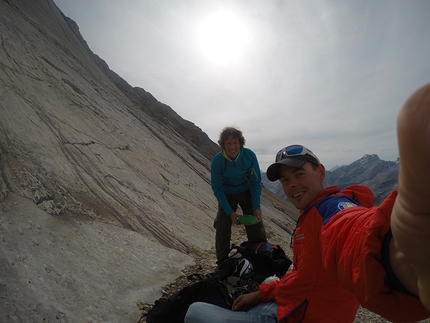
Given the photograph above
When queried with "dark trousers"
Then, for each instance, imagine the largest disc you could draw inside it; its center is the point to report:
(222, 224)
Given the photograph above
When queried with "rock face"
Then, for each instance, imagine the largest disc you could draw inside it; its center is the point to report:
(96, 177)
(75, 137)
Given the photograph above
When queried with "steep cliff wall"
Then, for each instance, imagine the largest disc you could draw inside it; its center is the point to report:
(104, 190)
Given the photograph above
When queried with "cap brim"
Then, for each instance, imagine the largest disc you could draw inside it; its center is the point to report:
(296, 162)
(273, 170)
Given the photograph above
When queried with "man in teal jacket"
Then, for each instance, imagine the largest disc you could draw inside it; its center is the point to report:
(236, 180)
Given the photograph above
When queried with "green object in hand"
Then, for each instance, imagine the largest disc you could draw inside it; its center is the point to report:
(247, 219)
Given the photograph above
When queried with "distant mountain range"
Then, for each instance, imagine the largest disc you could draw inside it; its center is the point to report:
(379, 175)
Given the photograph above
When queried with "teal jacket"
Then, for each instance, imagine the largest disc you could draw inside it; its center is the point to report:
(236, 176)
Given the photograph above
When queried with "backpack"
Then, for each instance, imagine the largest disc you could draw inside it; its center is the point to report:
(173, 309)
(266, 260)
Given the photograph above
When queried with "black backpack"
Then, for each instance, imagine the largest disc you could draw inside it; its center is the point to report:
(266, 258)
(173, 309)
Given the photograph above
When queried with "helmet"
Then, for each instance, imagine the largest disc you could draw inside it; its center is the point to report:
(243, 267)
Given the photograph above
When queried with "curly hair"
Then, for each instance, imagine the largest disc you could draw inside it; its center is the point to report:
(231, 131)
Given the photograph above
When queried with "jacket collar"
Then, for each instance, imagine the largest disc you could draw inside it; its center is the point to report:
(326, 192)
(226, 156)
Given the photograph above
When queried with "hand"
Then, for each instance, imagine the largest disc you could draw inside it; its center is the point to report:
(234, 217)
(258, 214)
(244, 302)
(410, 221)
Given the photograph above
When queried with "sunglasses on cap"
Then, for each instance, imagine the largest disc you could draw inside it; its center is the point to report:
(295, 151)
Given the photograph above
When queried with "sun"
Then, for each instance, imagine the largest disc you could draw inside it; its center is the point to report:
(222, 37)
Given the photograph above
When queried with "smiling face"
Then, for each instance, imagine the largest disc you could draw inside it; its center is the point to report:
(232, 147)
(302, 185)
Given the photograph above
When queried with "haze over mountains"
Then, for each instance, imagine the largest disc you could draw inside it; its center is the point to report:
(104, 191)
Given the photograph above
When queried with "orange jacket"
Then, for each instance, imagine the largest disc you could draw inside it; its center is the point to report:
(307, 293)
(352, 242)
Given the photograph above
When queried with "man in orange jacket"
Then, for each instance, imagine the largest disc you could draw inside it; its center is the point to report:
(378, 256)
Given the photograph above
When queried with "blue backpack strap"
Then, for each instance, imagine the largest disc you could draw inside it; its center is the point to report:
(333, 204)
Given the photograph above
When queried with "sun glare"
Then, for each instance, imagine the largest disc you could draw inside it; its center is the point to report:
(222, 37)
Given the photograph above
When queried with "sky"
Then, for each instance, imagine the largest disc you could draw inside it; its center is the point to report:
(330, 75)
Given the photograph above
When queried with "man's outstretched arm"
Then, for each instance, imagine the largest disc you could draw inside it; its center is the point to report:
(410, 221)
